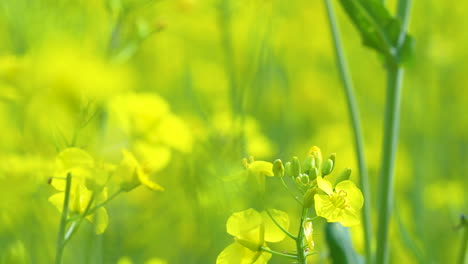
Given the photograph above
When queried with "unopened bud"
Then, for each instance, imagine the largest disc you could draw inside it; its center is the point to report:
(313, 173)
(315, 151)
(308, 164)
(343, 176)
(295, 167)
(287, 169)
(278, 168)
(305, 179)
(328, 165)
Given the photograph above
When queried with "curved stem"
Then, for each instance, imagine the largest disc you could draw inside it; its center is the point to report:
(356, 125)
(75, 225)
(390, 141)
(280, 226)
(63, 221)
(278, 253)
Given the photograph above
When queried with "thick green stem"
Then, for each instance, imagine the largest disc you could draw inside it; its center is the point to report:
(63, 222)
(390, 140)
(301, 253)
(356, 124)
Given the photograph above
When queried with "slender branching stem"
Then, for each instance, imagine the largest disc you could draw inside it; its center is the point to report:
(280, 226)
(291, 256)
(63, 221)
(356, 125)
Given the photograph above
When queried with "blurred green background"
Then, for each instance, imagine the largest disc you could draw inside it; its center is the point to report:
(233, 78)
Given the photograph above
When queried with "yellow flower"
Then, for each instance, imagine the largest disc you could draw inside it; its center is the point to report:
(82, 167)
(251, 230)
(341, 204)
(259, 170)
(308, 234)
(130, 174)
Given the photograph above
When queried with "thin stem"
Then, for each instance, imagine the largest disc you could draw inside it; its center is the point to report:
(278, 253)
(75, 225)
(301, 253)
(290, 192)
(390, 141)
(92, 211)
(464, 244)
(280, 226)
(356, 125)
(63, 221)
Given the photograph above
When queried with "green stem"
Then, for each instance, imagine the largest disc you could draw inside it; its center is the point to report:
(356, 125)
(63, 222)
(92, 211)
(75, 225)
(280, 226)
(278, 253)
(390, 141)
(301, 253)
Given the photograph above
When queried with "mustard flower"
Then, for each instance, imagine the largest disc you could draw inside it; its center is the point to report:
(251, 231)
(340, 204)
(131, 174)
(259, 170)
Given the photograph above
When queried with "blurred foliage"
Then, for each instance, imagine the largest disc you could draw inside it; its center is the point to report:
(191, 87)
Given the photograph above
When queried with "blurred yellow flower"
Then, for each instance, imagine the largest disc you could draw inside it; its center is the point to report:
(251, 230)
(131, 174)
(259, 170)
(80, 198)
(341, 204)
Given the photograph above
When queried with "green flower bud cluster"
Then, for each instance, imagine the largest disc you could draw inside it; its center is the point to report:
(305, 173)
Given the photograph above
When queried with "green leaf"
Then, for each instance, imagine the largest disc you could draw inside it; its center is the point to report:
(379, 30)
(340, 245)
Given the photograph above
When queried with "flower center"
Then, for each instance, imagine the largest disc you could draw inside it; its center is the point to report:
(338, 199)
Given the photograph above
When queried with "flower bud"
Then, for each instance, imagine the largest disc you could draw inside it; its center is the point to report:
(308, 164)
(328, 165)
(287, 169)
(313, 173)
(305, 179)
(295, 167)
(278, 168)
(343, 176)
(315, 151)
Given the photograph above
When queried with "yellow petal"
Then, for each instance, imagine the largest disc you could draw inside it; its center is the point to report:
(350, 218)
(232, 254)
(154, 157)
(261, 168)
(308, 229)
(325, 185)
(57, 200)
(100, 219)
(272, 231)
(324, 207)
(237, 254)
(144, 179)
(354, 196)
(246, 225)
(174, 132)
(75, 161)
